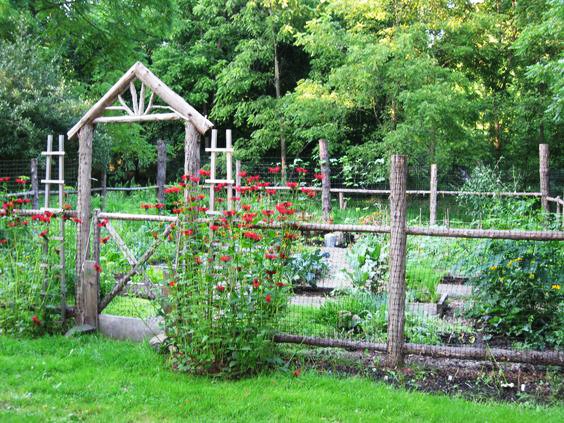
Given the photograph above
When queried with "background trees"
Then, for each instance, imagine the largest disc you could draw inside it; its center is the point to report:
(452, 82)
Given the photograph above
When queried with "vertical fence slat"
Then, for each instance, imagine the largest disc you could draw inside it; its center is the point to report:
(229, 165)
(161, 170)
(543, 173)
(48, 169)
(212, 169)
(238, 181)
(34, 184)
(398, 238)
(433, 196)
(326, 181)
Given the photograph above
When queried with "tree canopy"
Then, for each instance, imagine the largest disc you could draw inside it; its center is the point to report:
(454, 82)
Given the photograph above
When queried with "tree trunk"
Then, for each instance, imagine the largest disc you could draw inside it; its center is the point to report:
(278, 96)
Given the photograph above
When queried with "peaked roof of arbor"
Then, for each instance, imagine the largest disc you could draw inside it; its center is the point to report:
(138, 71)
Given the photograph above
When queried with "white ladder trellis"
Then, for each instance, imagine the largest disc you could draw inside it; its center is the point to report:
(60, 238)
(213, 181)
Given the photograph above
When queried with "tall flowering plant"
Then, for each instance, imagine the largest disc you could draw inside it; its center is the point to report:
(228, 290)
(26, 288)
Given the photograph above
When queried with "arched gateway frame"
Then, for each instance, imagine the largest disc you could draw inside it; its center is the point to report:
(141, 109)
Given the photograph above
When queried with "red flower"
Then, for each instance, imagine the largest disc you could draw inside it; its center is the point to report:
(198, 260)
(290, 236)
(76, 220)
(270, 272)
(176, 211)
(21, 181)
(280, 284)
(188, 232)
(275, 169)
(256, 283)
(252, 179)
(184, 177)
(268, 298)
(36, 320)
(225, 259)
(246, 207)
(97, 268)
(159, 206)
(104, 240)
(308, 191)
(271, 191)
(252, 235)
(243, 173)
(5, 179)
(202, 209)
(268, 212)
(103, 223)
(220, 288)
(229, 213)
(270, 256)
(172, 190)
(318, 176)
(194, 179)
(301, 170)
(146, 206)
(291, 185)
(297, 372)
(3, 241)
(172, 284)
(43, 234)
(249, 217)
(214, 227)
(204, 172)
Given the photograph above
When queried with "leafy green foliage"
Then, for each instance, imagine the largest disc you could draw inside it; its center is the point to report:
(307, 267)
(368, 262)
(518, 292)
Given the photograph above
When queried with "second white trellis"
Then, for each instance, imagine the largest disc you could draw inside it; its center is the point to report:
(60, 238)
(213, 181)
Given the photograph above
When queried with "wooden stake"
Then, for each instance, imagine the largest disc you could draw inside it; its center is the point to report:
(34, 184)
(398, 239)
(161, 170)
(326, 182)
(342, 204)
(433, 196)
(85, 136)
(543, 173)
(89, 307)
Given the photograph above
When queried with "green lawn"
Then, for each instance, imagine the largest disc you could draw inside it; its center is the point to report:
(95, 379)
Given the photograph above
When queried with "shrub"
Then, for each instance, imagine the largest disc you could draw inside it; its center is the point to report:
(518, 291)
(26, 289)
(228, 290)
(307, 267)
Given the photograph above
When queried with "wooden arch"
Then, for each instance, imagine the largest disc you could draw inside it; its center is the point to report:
(140, 110)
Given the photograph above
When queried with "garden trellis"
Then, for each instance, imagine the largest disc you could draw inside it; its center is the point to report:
(175, 108)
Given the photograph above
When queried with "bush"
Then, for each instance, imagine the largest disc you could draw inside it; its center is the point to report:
(228, 290)
(518, 292)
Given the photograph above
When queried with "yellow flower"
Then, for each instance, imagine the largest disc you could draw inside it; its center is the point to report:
(493, 267)
(555, 286)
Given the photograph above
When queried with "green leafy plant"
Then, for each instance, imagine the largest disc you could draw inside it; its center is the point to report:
(368, 261)
(518, 292)
(307, 267)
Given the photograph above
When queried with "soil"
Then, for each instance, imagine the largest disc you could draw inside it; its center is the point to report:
(476, 380)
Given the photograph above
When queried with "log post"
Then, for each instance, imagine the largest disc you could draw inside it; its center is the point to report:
(326, 182)
(48, 160)
(433, 196)
(543, 173)
(229, 168)
(342, 204)
(34, 184)
(85, 136)
(398, 239)
(238, 181)
(191, 149)
(161, 170)
(89, 308)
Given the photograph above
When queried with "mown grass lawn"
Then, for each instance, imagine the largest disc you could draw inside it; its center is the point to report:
(96, 379)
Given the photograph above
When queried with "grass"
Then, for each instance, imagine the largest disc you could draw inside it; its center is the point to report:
(95, 379)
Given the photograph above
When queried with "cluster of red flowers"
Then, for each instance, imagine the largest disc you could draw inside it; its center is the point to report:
(284, 208)
(5, 179)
